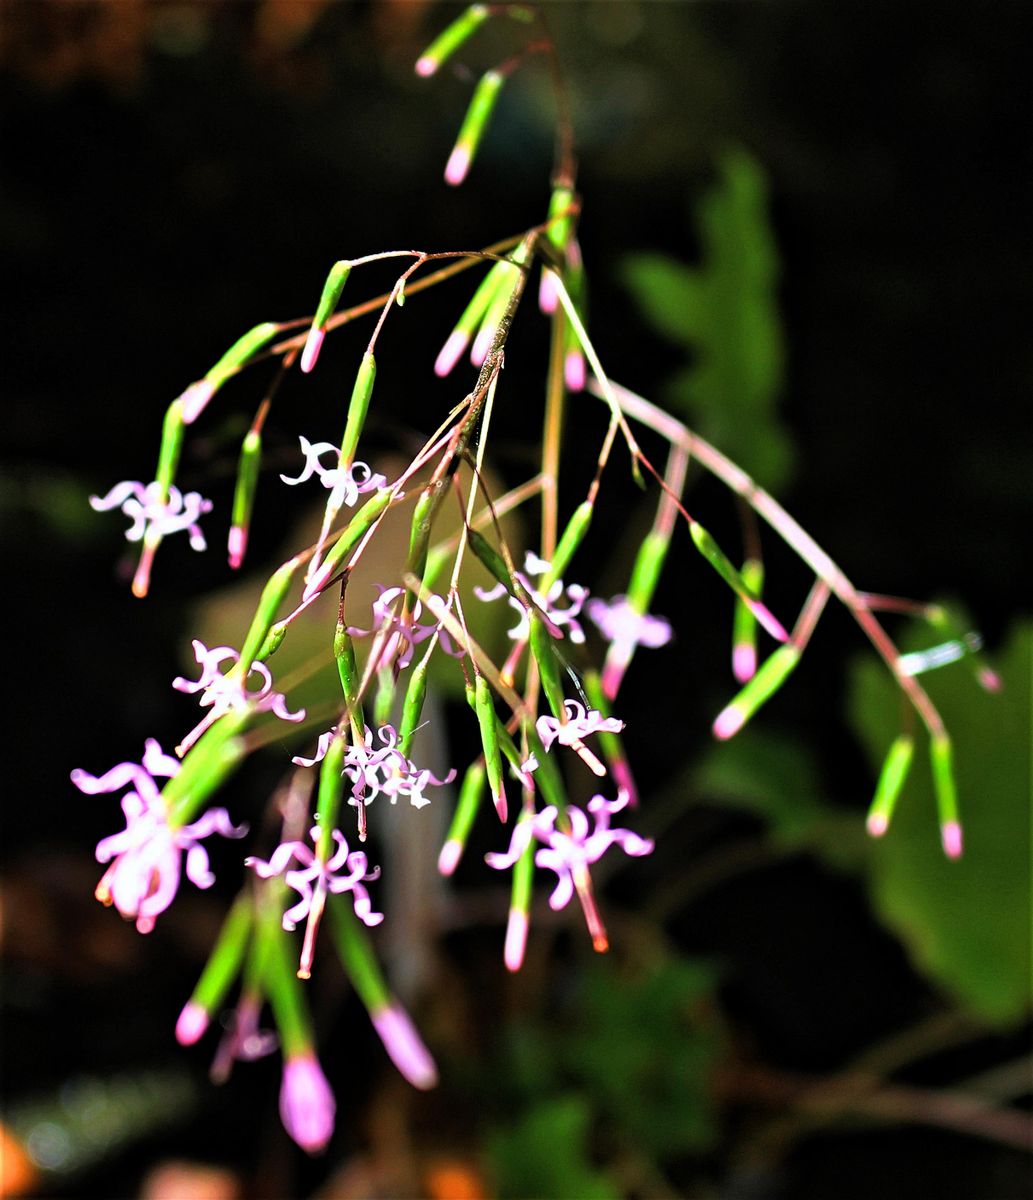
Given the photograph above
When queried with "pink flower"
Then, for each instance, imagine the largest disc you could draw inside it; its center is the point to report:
(569, 853)
(581, 722)
(345, 483)
(225, 691)
(307, 1105)
(401, 637)
(312, 875)
(146, 856)
(625, 628)
(150, 515)
(560, 618)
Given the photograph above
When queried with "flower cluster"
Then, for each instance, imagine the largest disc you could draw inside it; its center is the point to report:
(402, 636)
(565, 618)
(145, 857)
(380, 770)
(151, 514)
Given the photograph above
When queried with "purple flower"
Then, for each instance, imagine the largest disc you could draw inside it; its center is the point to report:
(625, 628)
(579, 724)
(243, 1040)
(399, 635)
(345, 483)
(570, 852)
(225, 691)
(383, 769)
(314, 876)
(151, 515)
(307, 1105)
(566, 617)
(145, 857)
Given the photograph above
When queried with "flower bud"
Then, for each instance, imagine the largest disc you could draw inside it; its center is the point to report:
(714, 555)
(332, 289)
(469, 802)
(449, 40)
(197, 396)
(488, 722)
(358, 407)
(269, 602)
(244, 495)
(891, 782)
(942, 760)
(405, 1046)
(744, 631)
(760, 688)
(307, 1105)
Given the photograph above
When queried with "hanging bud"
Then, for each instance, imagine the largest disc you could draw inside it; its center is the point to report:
(573, 536)
(610, 742)
(353, 533)
(273, 641)
(470, 794)
(472, 317)
(560, 223)
(223, 967)
(207, 765)
(196, 397)
(760, 688)
(347, 669)
(332, 289)
(942, 759)
(714, 555)
(488, 722)
(548, 665)
(449, 40)
(412, 706)
(891, 782)
(474, 124)
(744, 629)
(244, 496)
(358, 407)
(168, 460)
(519, 919)
(509, 279)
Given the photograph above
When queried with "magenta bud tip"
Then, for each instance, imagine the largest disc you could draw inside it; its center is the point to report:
(877, 824)
(574, 371)
(482, 344)
(728, 723)
(516, 940)
(316, 583)
(501, 805)
(237, 544)
(307, 1105)
(426, 66)
(613, 673)
(313, 344)
(770, 622)
(744, 663)
(547, 298)
(451, 853)
(950, 833)
(989, 680)
(195, 399)
(625, 781)
(457, 166)
(450, 352)
(405, 1046)
(192, 1023)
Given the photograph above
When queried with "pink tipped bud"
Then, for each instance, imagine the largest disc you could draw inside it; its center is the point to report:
(625, 781)
(237, 545)
(317, 582)
(405, 1046)
(313, 344)
(877, 824)
(574, 371)
(142, 578)
(744, 663)
(192, 1024)
(547, 294)
(729, 721)
(612, 675)
(516, 940)
(989, 680)
(451, 853)
(307, 1104)
(451, 352)
(950, 833)
(426, 66)
(482, 344)
(457, 166)
(195, 400)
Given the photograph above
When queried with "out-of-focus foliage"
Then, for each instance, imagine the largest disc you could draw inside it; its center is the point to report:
(966, 923)
(724, 313)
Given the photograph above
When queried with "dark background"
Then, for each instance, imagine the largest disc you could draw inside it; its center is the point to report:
(175, 173)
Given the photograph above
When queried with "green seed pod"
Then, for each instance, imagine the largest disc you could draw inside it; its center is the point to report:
(358, 407)
(412, 706)
(269, 602)
(774, 672)
(891, 782)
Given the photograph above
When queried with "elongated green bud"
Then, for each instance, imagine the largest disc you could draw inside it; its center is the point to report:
(611, 743)
(280, 982)
(491, 558)
(248, 468)
(331, 789)
(744, 626)
(332, 289)
(645, 575)
(471, 792)
(196, 397)
(471, 319)
(891, 782)
(942, 760)
(714, 555)
(412, 706)
(347, 669)
(558, 230)
(488, 723)
(548, 665)
(353, 533)
(205, 768)
(474, 124)
(572, 538)
(223, 967)
(509, 281)
(384, 699)
(273, 641)
(761, 687)
(547, 776)
(419, 531)
(171, 445)
(450, 39)
(359, 406)
(519, 919)
(269, 602)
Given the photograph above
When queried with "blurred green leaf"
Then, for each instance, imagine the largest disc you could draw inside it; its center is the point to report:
(545, 1155)
(725, 312)
(965, 923)
(650, 1036)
